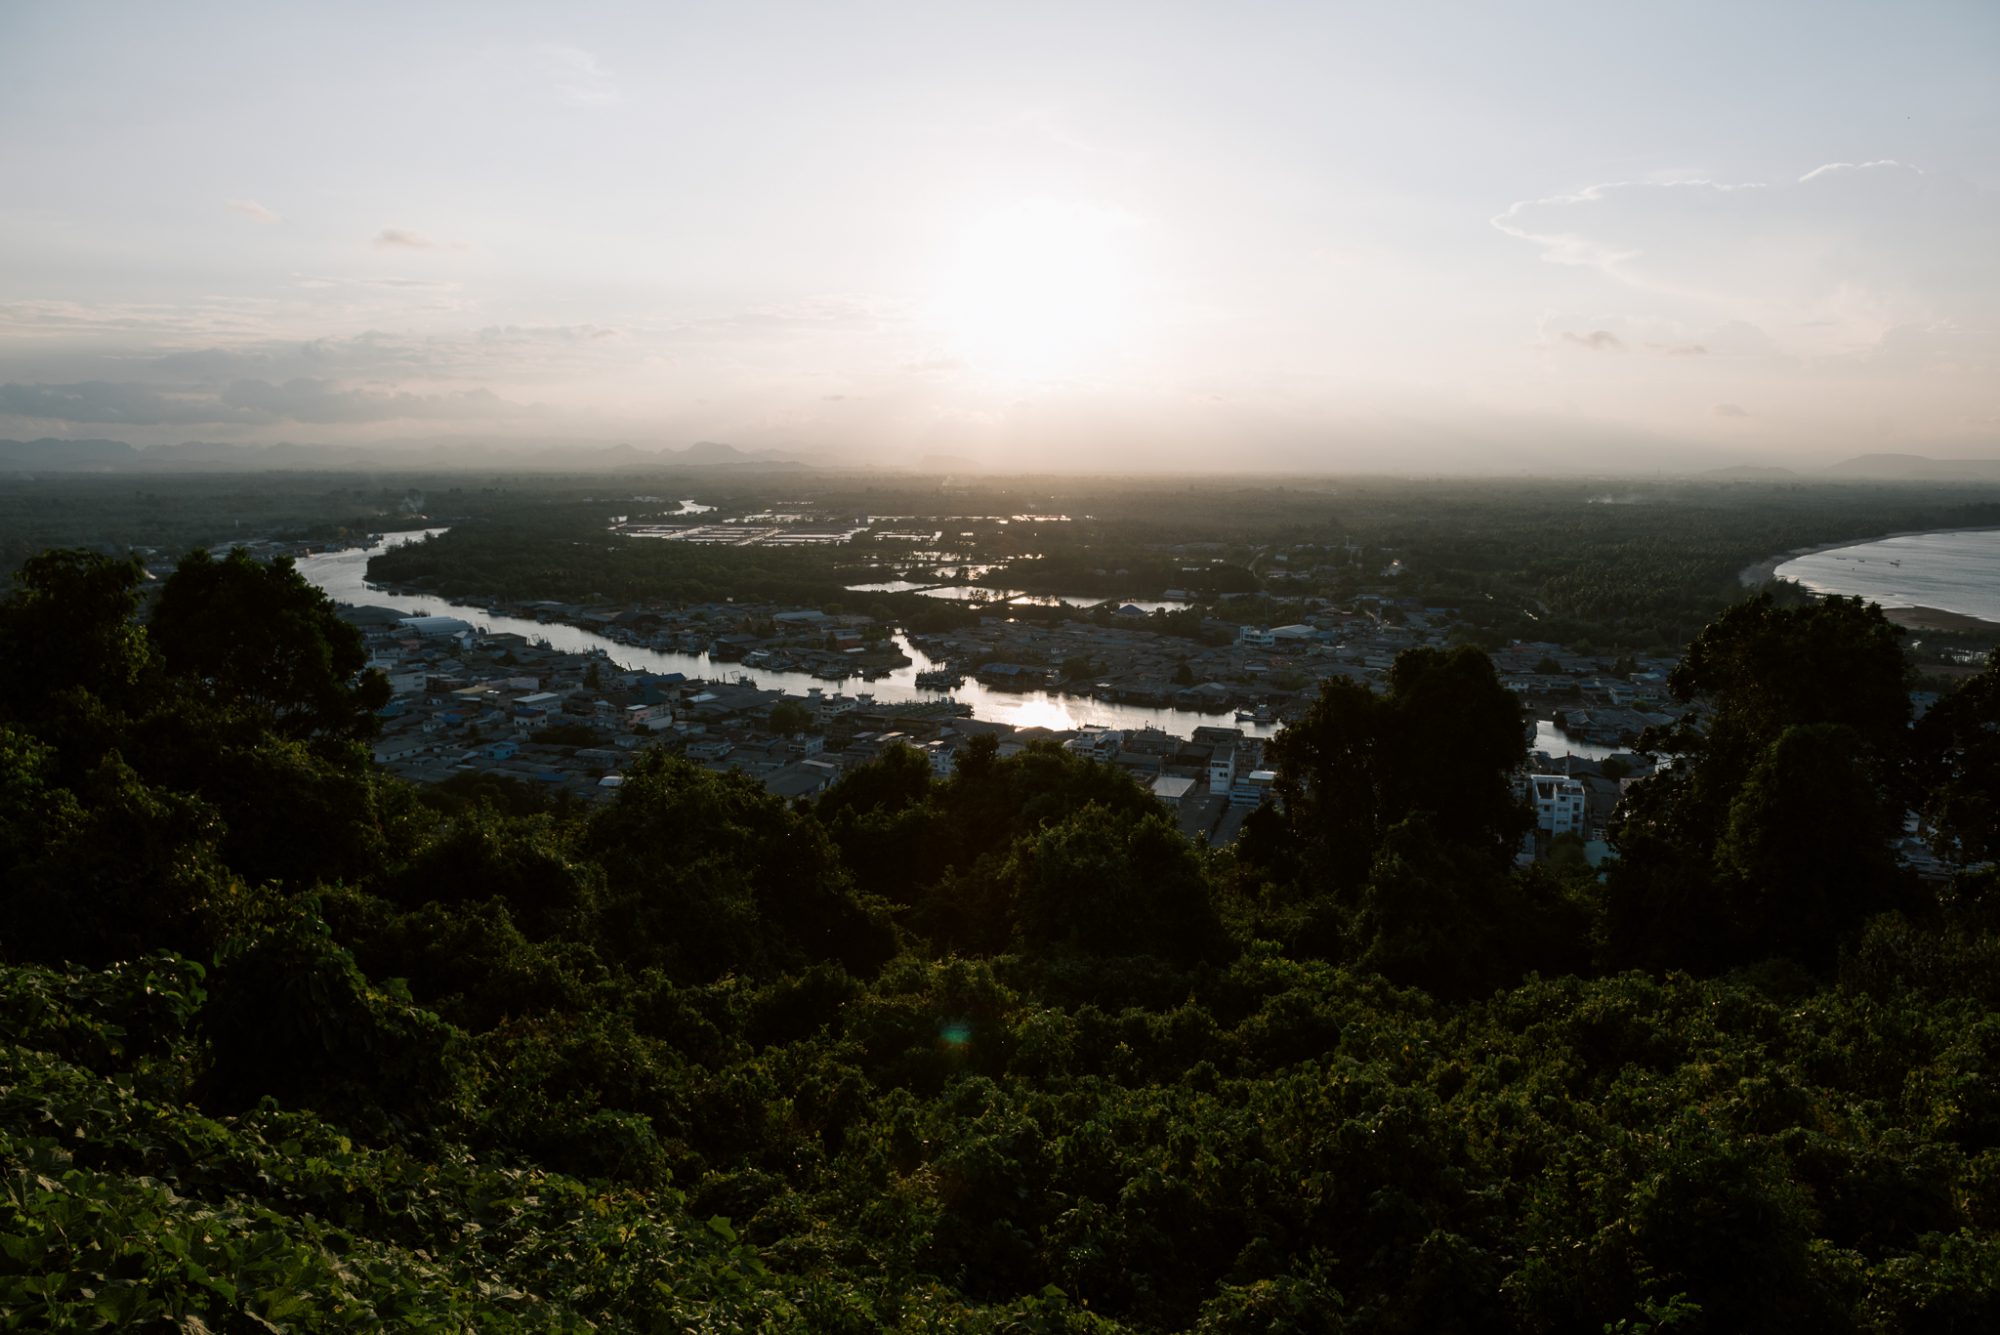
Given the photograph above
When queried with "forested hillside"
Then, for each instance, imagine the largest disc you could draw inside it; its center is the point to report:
(285, 1044)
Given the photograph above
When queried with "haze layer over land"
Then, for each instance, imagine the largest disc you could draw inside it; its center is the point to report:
(1288, 237)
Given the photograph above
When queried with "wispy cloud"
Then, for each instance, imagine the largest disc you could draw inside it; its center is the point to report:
(1849, 250)
(209, 318)
(1829, 168)
(320, 281)
(579, 79)
(393, 238)
(1542, 221)
(252, 210)
(242, 402)
(566, 333)
(1597, 340)
(1731, 410)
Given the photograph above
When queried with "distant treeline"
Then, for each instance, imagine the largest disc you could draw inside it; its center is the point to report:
(1633, 567)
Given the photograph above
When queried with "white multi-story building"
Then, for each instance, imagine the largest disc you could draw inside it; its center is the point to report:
(1222, 769)
(1560, 803)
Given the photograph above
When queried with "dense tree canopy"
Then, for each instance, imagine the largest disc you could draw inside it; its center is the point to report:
(1444, 741)
(67, 626)
(992, 1051)
(1769, 831)
(1958, 748)
(251, 635)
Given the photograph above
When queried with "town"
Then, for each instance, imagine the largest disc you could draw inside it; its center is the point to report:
(473, 701)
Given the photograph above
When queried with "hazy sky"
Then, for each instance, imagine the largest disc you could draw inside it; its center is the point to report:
(1482, 234)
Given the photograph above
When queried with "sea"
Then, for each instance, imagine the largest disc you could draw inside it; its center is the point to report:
(1953, 572)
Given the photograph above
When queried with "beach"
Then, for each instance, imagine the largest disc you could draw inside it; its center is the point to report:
(1937, 619)
(1896, 600)
(1763, 572)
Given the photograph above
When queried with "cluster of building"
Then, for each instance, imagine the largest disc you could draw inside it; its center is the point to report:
(469, 701)
(466, 701)
(1275, 670)
(759, 635)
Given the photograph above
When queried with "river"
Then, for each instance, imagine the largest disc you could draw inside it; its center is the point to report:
(343, 576)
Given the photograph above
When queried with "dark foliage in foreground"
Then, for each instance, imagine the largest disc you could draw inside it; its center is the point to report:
(288, 1047)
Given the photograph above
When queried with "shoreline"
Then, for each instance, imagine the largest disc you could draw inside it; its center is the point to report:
(1911, 618)
(1938, 619)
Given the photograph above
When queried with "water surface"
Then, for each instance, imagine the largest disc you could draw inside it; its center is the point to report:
(1954, 572)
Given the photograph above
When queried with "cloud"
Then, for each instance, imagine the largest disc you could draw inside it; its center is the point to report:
(579, 79)
(1829, 168)
(323, 401)
(1563, 225)
(368, 355)
(206, 318)
(561, 333)
(321, 281)
(1730, 410)
(103, 401)
(1686, 350)
(1597, 340)
(813, 314)
(251, 209)
(1828, 262)
(392, 237)
(242, 402)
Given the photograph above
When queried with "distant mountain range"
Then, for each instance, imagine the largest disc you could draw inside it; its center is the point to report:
(50, 455)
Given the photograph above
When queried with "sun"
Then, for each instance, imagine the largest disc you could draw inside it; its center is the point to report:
(1040, 291)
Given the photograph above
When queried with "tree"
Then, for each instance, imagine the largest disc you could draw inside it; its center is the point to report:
(1805, 851)
(68, 625)
(106, 870)
(1112, 885)
(247, 635)
(1078, 667)
(1444, 740)
(1760, 668)
(789, 718)
(889, 828)
(706, 874)
(1957, 751)
(1768, 833)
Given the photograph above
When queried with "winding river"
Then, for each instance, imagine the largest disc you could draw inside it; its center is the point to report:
(343, 576)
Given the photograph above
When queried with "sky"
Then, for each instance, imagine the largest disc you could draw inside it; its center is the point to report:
(1420, 236)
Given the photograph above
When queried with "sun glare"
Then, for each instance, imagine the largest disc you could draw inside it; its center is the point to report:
(1041, 291)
